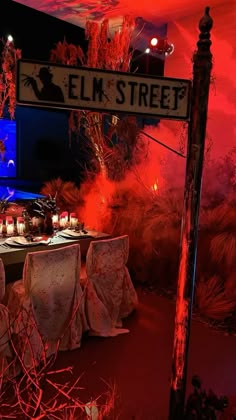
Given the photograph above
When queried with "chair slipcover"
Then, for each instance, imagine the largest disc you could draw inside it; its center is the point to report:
(106, 269)
(6, 355)
(49, 302)
(2, 281)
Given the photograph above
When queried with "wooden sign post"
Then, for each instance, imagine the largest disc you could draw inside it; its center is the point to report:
(202, 64)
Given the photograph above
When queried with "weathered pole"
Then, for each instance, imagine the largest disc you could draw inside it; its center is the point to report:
(202, 64)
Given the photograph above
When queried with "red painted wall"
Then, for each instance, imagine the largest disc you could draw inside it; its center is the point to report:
(221, 127)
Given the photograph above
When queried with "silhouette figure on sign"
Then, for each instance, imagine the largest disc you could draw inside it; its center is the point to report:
(49, 91)
(3, 148)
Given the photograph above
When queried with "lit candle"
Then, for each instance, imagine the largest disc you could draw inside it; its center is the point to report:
(73, 220)
(62, 222)
(64, 215)
(20, 226)
(10, 227)
(1, 226)
(9, 219)
(63, 219)
(55, 218)
(55, 222)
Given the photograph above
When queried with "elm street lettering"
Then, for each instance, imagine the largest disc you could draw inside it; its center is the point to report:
(131, 93)
(38, 84)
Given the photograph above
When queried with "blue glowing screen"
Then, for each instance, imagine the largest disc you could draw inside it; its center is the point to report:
(8, 148)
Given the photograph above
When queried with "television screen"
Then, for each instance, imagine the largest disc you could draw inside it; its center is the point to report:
(8, 148)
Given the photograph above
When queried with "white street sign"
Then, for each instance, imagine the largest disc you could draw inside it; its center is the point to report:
(58, 86)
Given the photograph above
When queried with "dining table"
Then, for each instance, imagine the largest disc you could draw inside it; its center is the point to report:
(13, 254)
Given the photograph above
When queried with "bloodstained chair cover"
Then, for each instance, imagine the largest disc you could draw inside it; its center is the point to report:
(50, 299)
(6, 355)
(106, 269)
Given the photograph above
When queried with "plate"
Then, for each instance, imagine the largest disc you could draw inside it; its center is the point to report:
(72, 234)
(22, 241)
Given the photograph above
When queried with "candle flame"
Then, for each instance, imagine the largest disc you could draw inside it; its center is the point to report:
(154, 187)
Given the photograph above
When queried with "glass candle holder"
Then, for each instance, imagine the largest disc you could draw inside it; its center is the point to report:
(10, 228)
(63, 222)
(9, 220)
(20, 226)
(73, 220)
(55, 222)
(64, 215)
(1, 227)
(55, 218)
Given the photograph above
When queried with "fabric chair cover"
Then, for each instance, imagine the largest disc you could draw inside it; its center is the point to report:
(2, 281)
(51, 303)
(6, 354)
(106, 269)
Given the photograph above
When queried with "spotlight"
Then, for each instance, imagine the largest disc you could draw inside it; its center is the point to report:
(10, 38)
(147, 51)
(154, 41)
(161, 46)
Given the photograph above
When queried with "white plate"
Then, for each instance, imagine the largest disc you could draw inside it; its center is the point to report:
(22, 241)
(71, 234)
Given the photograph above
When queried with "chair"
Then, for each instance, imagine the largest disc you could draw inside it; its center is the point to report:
(6, 354)
(106, 269)
(47, 305)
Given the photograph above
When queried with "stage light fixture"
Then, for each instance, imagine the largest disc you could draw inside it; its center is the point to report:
(147, 51)
(161, 46)
(10, 38)
(154, 41)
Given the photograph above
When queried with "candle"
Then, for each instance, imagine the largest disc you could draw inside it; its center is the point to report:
(62, 222)
(1, 226)
(55, 218)
(20, 226)
(63, 219)
(9, 219)
(64, 215)
(73, 220)
(55, 222)
(10, 227)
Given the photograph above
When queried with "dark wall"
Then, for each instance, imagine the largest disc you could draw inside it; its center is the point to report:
(43, 151)
(34, 32)
(43, 144)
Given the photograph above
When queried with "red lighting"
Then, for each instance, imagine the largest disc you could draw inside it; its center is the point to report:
(154, 42)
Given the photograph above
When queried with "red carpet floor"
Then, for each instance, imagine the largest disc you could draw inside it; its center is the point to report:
(139, 363)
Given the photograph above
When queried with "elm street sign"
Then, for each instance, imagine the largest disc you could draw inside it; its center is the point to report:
(83, 88)
(59, 86)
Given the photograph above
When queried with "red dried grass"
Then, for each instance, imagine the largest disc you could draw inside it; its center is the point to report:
(212, 301)
(8, 62)
(104, 52)
(23, 396)
(67, 194)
